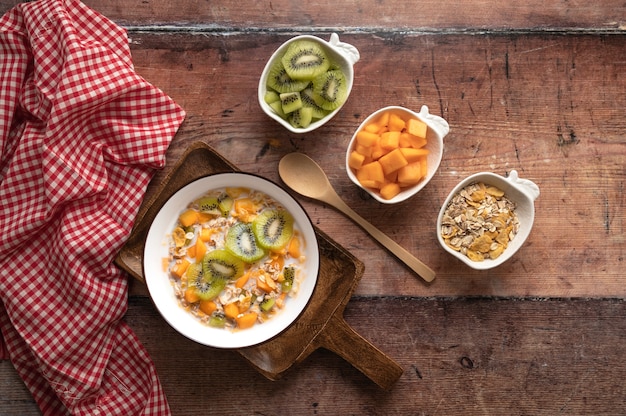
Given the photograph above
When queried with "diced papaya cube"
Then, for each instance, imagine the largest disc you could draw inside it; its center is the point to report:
(405, 140)
(414, 141)
(365, 138)
(383, 120)
(265, 283)
(410, 174)
(377, 151)
(241, 282)
(246, 320)
(372, 171)
(207, 306)
(189, 217)
(355, 160)
(364, 150)
(368, 183)
(191, 296)
(294, 247)
(416, 127)
(424, 164)
(200, 250)
(392, 161)
(389, 190)
(205, 234)
(390, 140)
(392, 177)
(413, 155)
(179, 268)
(231, 310)
(372, 127)
(204, 217)
(396, 123)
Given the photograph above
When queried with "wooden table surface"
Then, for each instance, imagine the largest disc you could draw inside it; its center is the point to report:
(535, 86)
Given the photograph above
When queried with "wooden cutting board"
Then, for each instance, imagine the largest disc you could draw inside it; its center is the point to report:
(321, 325)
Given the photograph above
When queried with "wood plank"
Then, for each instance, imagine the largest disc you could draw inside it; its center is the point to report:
(376, 15)
(550, 106)
(472, 356)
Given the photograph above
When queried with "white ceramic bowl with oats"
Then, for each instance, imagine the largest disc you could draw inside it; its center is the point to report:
(364, 154)
(486, 218)
(306, 81)
(192, 230)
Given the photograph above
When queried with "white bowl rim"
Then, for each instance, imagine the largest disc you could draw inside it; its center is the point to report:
(438, 129)
(159, 285)
(344, 54)
(522, 192)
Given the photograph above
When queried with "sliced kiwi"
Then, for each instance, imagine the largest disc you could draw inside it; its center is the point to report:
(223, 265)
(206, 286)
(289, 274)
(273, 228)
(278, 109)
(290, 101)
(279, 81)
(306, 95)
(301, 117)
(241, 242)
(225, 203)
(304, 60)
(271, 96)
(209, 205)
(330, 89)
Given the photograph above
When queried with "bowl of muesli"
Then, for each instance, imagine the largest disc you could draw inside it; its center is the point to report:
(231, 260)
(486, 218)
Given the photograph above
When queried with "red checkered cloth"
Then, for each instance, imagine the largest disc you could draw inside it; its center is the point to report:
(81, 135)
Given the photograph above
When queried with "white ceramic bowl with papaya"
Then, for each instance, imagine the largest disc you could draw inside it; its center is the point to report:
(306, 81)
(395, 152)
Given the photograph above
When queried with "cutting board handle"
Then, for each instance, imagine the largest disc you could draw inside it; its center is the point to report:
(344, 341)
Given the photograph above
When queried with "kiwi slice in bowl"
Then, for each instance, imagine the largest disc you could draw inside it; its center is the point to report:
(221, 264)
(241, 243)
(205, 286)
(304, 60)
(273, 229)
(330, 89)
(281, 82)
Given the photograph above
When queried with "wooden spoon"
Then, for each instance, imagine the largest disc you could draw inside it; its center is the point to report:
(306, 177)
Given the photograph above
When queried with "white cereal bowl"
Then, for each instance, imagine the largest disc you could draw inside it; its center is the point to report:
(161, 289)
(522, 192)
(341, 54)
(438, 128)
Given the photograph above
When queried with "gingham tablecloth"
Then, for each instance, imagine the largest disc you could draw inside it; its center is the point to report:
(80, 137)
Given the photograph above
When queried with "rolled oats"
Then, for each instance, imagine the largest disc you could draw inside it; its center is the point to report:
(479, 222)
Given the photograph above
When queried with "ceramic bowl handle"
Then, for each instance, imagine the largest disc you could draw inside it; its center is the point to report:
(348, 51)
(438, 124)
(528, 187)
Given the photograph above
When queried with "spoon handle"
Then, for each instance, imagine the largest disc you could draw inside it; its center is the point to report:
(397, 250)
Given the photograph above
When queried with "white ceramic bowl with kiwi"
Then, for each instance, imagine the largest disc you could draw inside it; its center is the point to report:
(395, 152)
(168, 277)
(306, 81)
(496, 215)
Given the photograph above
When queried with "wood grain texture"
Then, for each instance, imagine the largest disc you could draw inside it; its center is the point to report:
(535, 86)
(460, 356)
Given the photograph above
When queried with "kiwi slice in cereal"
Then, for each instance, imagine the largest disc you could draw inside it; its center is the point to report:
(273, 228)
(241, 242)
(220, 264)
(205, 286)
(225, 203)
(209, 205)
